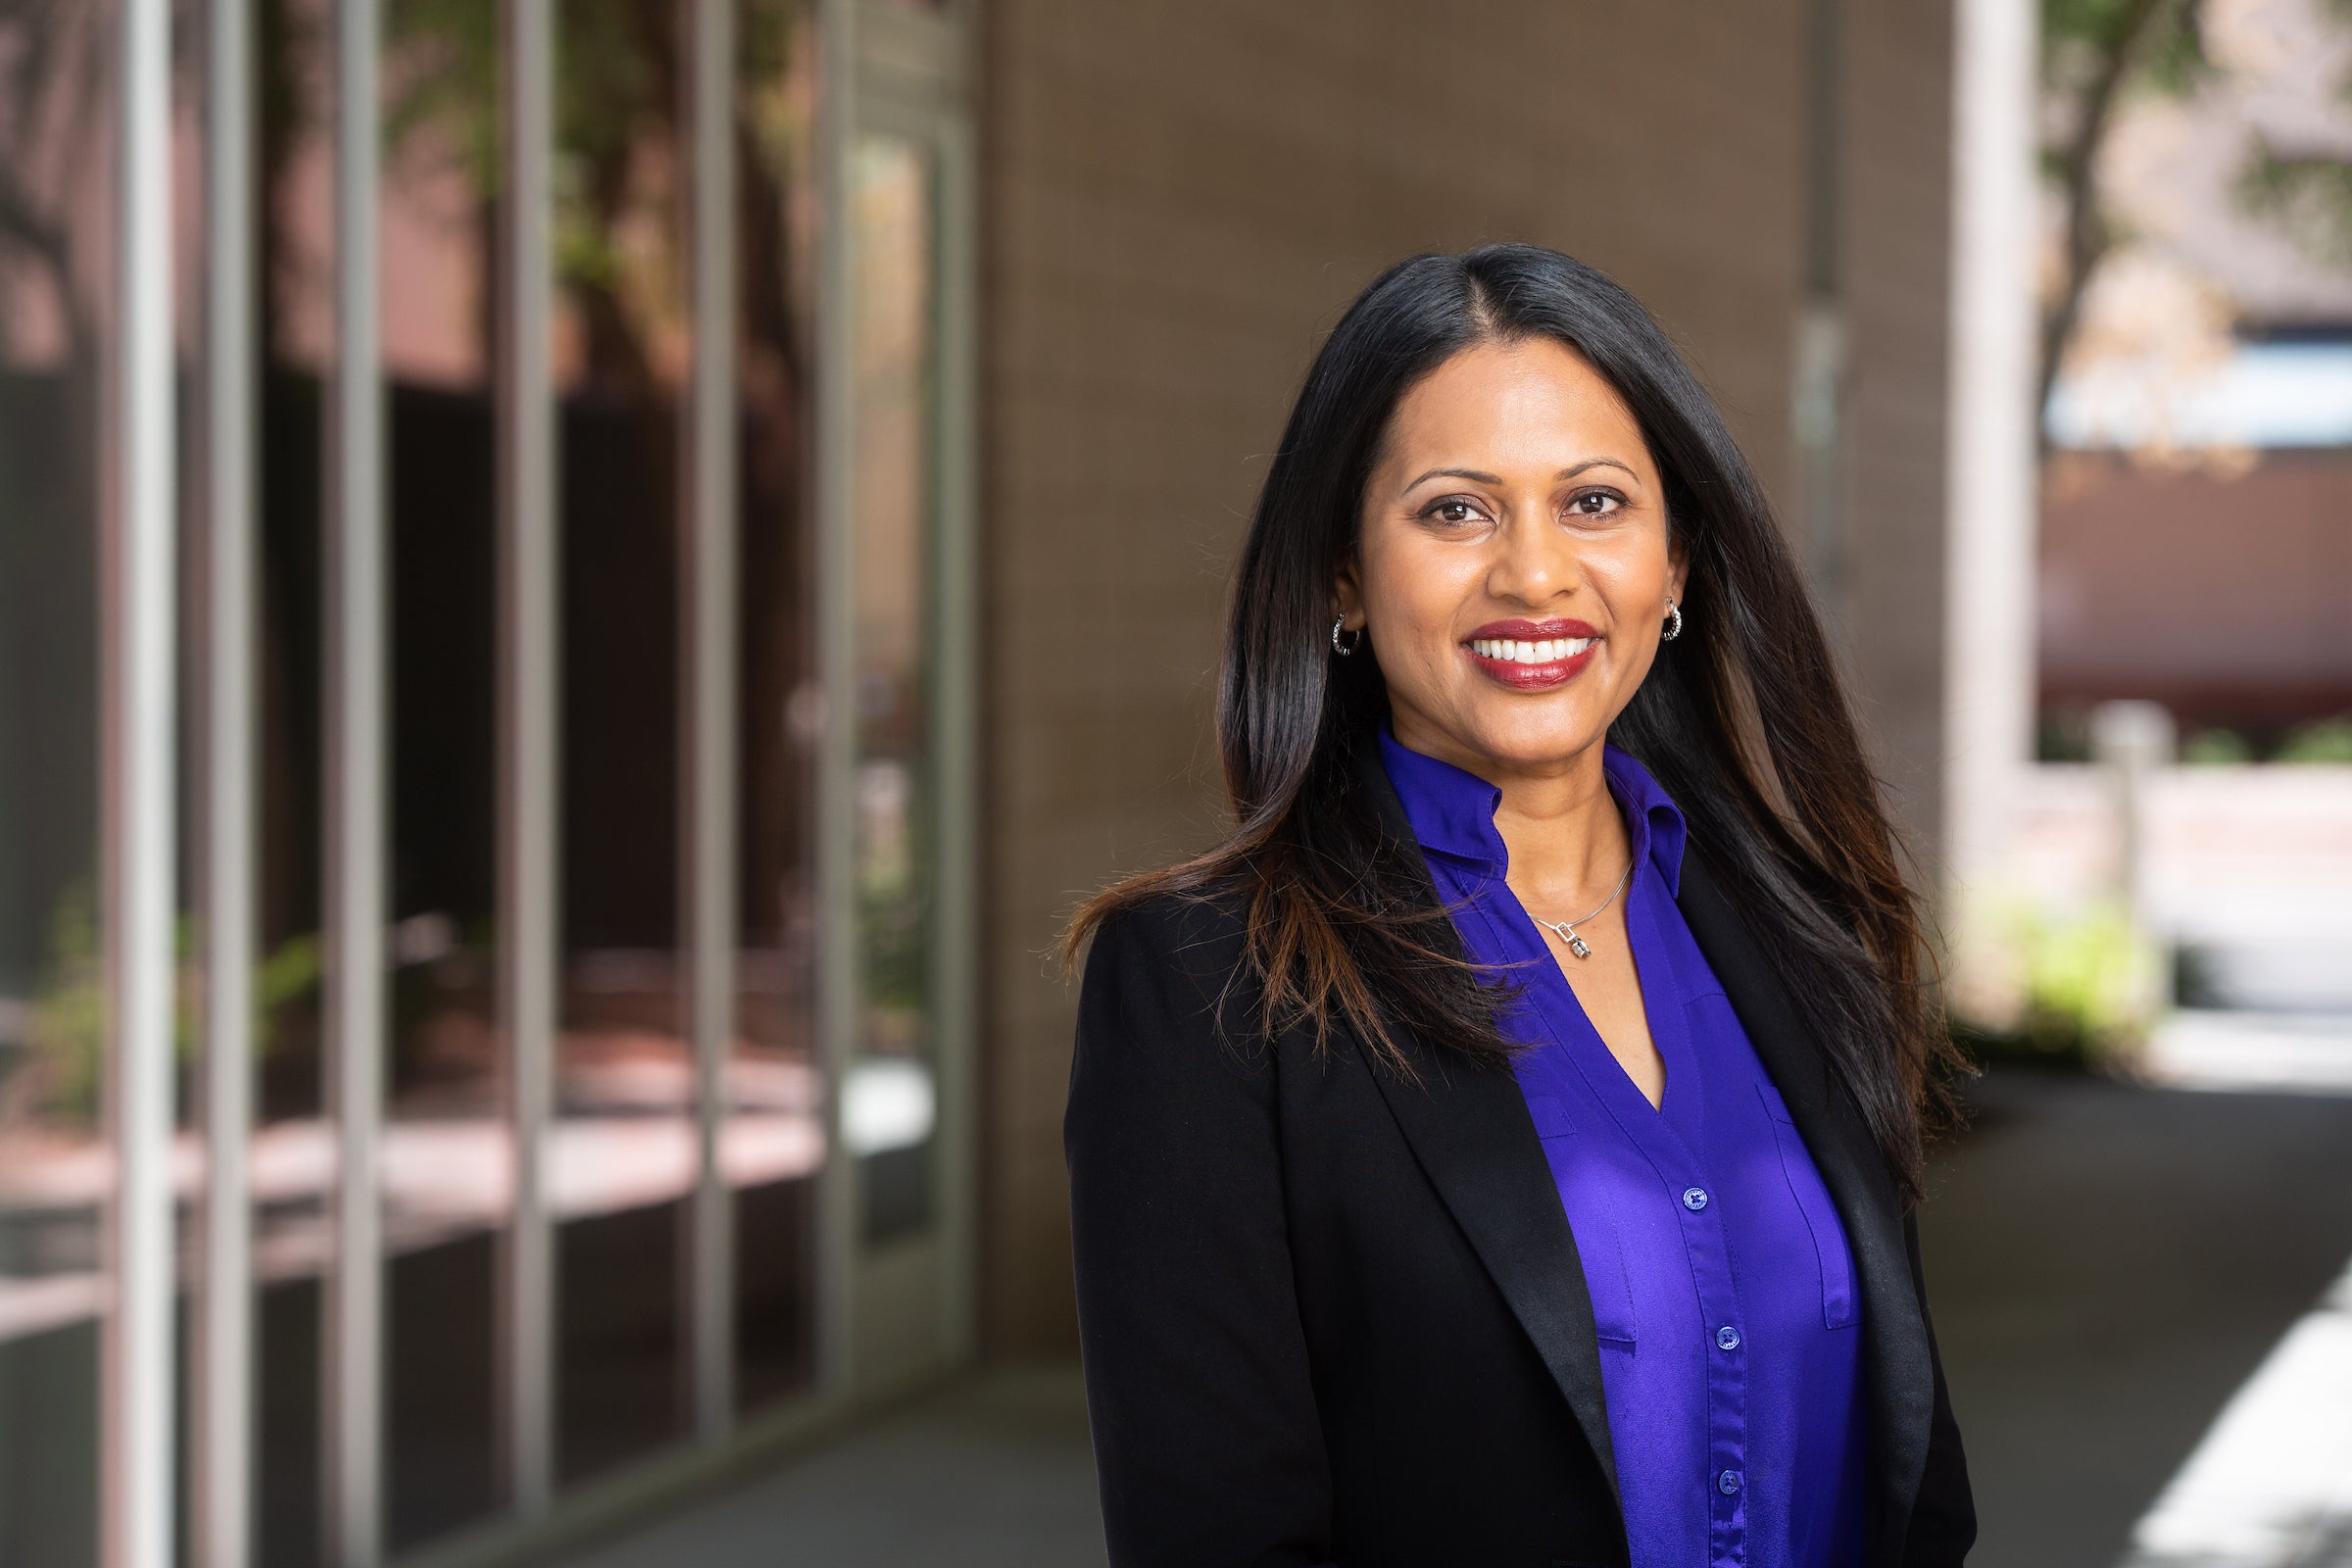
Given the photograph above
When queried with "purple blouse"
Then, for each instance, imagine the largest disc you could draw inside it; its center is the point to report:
(1723, 1290)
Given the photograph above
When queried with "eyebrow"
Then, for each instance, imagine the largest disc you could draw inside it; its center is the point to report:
(1476, 476)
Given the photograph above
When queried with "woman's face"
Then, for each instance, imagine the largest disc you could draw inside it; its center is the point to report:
(1515, 563)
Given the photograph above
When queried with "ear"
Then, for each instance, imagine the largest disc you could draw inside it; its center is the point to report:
(1347, 595)
(1678, 569)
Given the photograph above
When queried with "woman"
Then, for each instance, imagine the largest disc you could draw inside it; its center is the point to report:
(1500, 1150)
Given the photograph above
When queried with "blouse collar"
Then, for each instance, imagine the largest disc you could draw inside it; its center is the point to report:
(1452, 809)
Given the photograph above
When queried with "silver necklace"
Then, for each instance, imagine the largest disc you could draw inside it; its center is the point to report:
(1565, 930)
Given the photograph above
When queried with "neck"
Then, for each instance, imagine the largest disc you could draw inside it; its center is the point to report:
(1558, 818)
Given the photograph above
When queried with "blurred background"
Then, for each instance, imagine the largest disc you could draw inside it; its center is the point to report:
(583, 584)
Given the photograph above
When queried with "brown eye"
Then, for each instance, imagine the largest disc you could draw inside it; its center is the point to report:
(1594, 504)
(1454, 511)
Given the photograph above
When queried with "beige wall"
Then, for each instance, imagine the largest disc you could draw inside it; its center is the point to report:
(1178, 199)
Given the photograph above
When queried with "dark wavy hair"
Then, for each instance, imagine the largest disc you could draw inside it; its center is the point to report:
(1743, 719)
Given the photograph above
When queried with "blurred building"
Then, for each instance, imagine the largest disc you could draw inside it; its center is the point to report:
(698, 531)
(2195, 542)
(2195, 549)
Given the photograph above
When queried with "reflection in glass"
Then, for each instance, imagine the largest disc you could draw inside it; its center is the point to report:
(773, 1139)
(56, 178)
(892, 206)
(623, 1149)
(448, 1177)
(293, 1156)
(624, 1153)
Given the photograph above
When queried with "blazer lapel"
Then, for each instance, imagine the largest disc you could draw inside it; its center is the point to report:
(1472, 1133)
(1470, 1130)
(1894, 1333)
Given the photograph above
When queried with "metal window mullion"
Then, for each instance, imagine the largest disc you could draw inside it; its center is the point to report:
(957, 662)
(357, 717)
(836, 669)
(711, 826)
(530, 796)
(223, 1454)
(137, 587)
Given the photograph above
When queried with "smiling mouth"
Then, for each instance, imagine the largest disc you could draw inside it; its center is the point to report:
(1529, 663)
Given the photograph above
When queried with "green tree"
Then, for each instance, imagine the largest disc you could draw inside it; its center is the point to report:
(2094, 54)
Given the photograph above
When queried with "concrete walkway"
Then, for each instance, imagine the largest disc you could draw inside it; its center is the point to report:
(993, 1472)
(2109, 1264)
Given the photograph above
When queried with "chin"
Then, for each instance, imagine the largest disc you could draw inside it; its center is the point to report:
(1532, 739)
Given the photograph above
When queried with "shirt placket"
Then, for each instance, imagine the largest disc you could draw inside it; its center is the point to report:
(1705, 1239)
(1726, 1476)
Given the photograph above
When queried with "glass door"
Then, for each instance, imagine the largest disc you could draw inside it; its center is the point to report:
(906, 482)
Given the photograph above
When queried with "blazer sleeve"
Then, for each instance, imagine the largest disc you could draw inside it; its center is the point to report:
(1943, 1519)
(1207, 1443)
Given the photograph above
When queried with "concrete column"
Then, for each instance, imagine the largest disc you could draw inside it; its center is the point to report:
(1990, 623)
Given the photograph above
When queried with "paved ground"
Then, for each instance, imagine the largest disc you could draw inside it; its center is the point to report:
(995, 1472)
(2108, 1265)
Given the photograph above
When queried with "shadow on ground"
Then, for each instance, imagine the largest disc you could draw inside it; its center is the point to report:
(2107, 1265)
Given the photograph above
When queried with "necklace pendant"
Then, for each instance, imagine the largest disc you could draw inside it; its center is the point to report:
(1565, 930)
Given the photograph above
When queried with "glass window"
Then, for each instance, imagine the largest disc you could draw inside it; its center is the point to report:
(623, 1143)
(293, 1156)
(622, 1157)
(774, 1137)
(447, 1149)
(57, 169)
(889, 1105)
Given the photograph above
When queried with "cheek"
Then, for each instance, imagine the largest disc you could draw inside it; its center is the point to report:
(1414, 588)
(1631, 575)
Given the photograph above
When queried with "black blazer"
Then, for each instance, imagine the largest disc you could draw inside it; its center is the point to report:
(1329, 1317)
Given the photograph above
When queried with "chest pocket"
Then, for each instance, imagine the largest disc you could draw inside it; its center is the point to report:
(1603, 1259)
(1597, 1247)
(1839, 1303)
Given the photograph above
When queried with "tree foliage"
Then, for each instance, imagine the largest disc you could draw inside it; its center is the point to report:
(2095, 53)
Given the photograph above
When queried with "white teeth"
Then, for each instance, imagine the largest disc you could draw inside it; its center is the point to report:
(1513, 651)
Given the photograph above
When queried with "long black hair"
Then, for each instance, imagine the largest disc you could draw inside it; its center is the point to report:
(1745, 720)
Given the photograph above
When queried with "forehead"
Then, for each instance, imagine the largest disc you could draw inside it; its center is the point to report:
(1532, 402)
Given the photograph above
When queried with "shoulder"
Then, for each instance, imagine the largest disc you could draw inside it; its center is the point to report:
(1169, 957)
(1191, 932)
(1170, 1031)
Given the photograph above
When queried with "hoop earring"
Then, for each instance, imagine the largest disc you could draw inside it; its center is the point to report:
(1674, 624)
(1344, 649)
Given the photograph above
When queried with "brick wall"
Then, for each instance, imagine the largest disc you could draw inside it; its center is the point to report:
(2220, 595)
(1178, 199)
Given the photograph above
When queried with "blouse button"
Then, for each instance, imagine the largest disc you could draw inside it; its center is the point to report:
(1694, 1198)
(1728, 1482)
(1727, 1338)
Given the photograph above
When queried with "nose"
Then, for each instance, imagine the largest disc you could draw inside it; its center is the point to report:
(1534, 561)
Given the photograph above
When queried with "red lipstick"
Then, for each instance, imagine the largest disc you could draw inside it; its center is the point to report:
(1551, 667)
